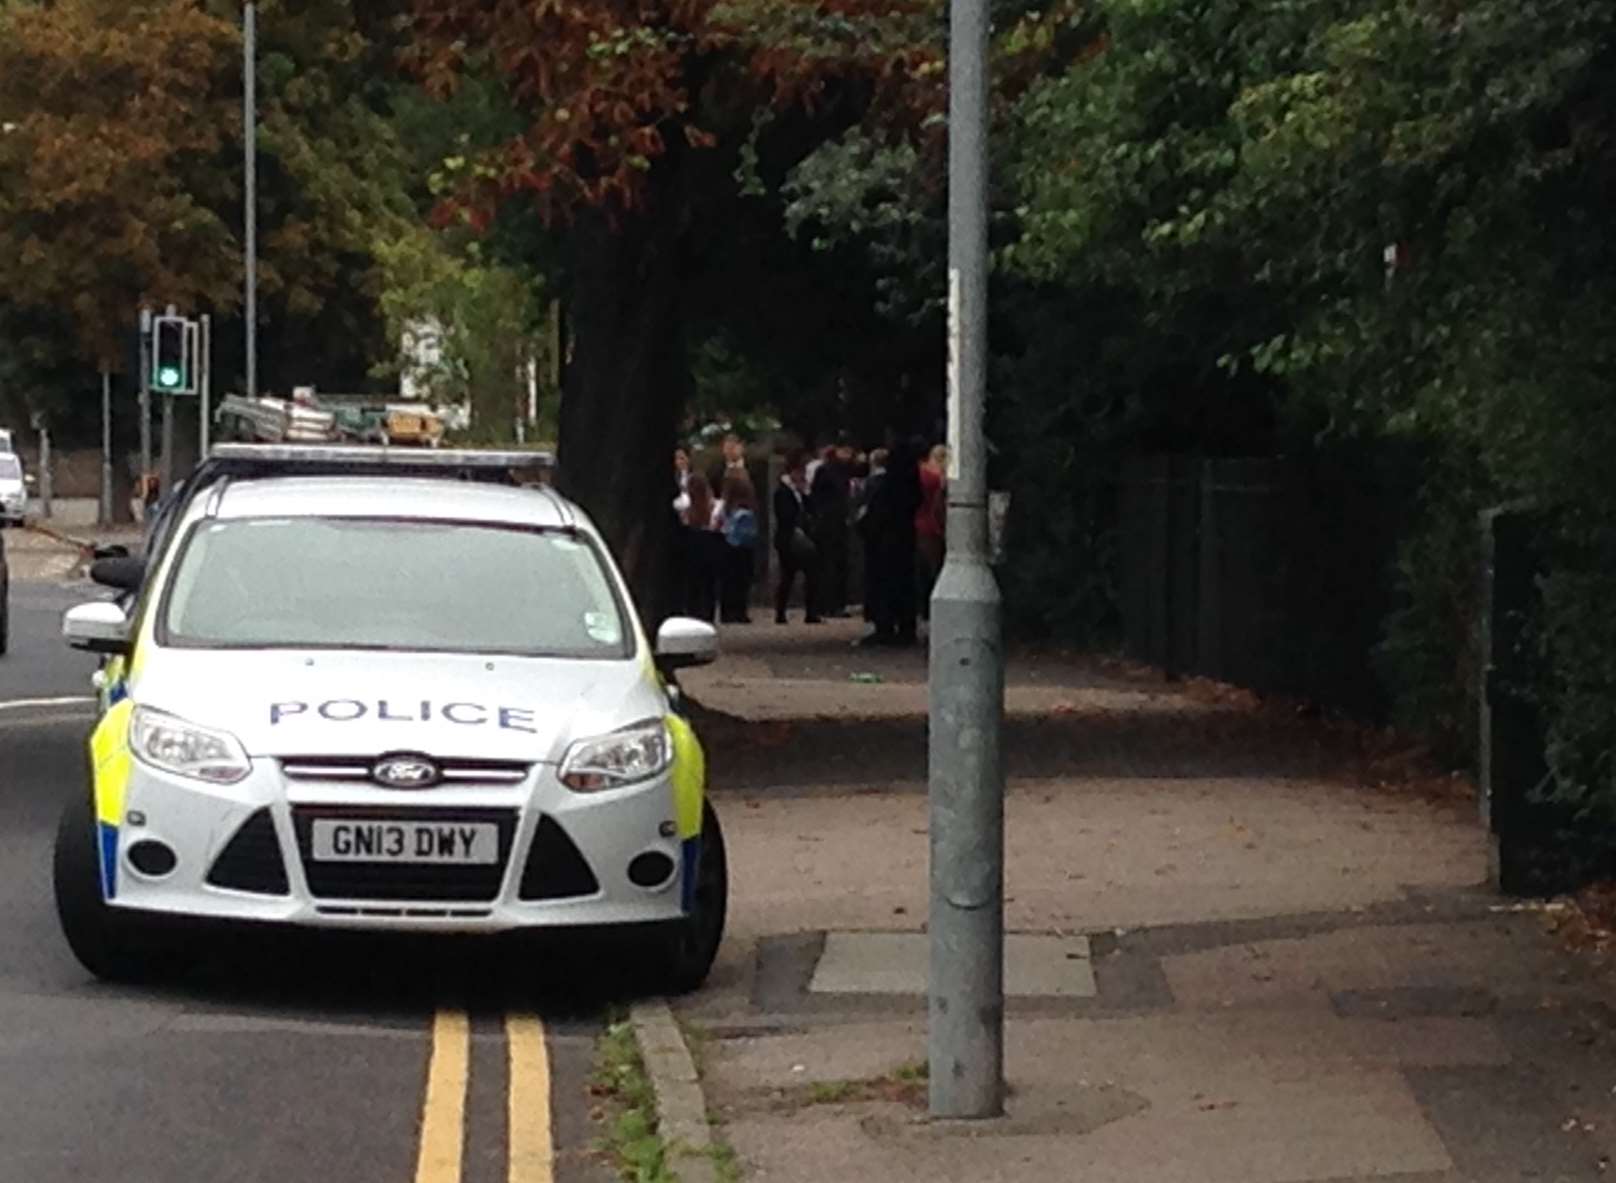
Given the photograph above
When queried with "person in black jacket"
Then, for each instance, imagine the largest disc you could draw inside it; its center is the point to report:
(888, 524)
(831, 495)
(794, 539)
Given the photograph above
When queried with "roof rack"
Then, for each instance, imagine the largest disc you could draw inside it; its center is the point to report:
(341, 459)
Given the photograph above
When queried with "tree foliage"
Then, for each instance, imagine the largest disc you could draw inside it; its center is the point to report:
(114, 114)
(487, 321)
(121, 184)
(606, 87)
(1394, 214)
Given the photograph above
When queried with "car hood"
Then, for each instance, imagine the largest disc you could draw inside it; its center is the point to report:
(10, 487)
(342, 703)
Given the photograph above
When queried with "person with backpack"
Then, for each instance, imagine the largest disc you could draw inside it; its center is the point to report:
(737, 517)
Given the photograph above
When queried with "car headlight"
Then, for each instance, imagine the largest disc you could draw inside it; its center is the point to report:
(172, 744)
(637, 752)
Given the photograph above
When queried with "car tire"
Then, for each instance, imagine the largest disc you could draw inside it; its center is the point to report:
(106, 943)
(685, 950)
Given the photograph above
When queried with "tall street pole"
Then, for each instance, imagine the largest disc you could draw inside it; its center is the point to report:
(249, 117)
(105, 511)
(204, 365)
(145, 397)
(165, 460)
(965, 1042)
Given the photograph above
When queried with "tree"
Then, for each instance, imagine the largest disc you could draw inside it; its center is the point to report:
(487, 321)
(120, 182)
(113, 114)
(631, 123)
(338, 175)
(1394, 215)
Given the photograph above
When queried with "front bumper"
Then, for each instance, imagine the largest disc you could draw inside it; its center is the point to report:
(244, 852)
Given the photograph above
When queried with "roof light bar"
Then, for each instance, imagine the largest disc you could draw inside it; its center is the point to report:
(327, 456)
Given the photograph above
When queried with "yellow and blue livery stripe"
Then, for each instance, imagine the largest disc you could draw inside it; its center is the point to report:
(689, 777)
(111, 763)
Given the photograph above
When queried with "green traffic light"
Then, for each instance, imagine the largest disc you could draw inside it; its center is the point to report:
(168, 376)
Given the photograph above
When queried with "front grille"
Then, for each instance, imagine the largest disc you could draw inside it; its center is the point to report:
(409, 913)
(251, 860)
(402, 881)
(555, 868)
(357, 768)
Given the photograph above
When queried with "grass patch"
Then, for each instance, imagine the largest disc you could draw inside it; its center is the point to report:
(915, 1073)
(905, 1084)
(832, 1092)
(630, 1140)
(726, 1163)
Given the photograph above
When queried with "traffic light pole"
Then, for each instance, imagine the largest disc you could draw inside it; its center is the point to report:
(965, 1031)
(165, 478)
(204, 364)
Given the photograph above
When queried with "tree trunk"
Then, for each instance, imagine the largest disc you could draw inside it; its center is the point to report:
(626, 382)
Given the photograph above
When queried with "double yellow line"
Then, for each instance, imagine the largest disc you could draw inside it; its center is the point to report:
(531, 1157)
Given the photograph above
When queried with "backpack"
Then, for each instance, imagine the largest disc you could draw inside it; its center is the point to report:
(740, 528)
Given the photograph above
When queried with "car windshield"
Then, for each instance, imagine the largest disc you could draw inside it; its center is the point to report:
(10, 468)
(361, 583)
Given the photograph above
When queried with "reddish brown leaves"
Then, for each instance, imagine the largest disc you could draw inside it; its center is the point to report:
(604, 82)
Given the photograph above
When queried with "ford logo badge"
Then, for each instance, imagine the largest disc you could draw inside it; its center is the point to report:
(405, 772)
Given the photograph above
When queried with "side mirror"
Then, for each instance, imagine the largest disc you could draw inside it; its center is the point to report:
(28, 480)
(123, 572)
(97, 627)
(116, 550)
(683, 642)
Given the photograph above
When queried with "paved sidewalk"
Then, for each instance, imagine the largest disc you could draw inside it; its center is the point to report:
(49, 553)
(1238, 960)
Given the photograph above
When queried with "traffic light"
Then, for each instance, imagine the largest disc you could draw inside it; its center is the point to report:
(173, 355)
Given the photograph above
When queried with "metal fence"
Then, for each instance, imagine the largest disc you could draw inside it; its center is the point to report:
(1270, 574)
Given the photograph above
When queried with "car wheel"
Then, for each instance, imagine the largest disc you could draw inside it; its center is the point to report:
(686, 948)
(106, 943)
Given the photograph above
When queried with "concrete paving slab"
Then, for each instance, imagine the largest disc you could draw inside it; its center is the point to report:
(1262, 1132)
(1087, 855)
(1189, 1054)
(1505, 1124)
(1035, 965)
(851, 1051)
(1499, 954)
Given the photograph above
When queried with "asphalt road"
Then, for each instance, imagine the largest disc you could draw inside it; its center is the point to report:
(271, 1058)
(38, 665)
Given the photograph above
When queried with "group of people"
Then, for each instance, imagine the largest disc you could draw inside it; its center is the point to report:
(888, 503)
(718, 534)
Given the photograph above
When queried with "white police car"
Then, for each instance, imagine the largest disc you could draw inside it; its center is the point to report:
(344, 691)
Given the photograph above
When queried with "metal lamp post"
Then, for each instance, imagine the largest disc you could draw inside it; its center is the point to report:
(966, 1025)
(250, 147)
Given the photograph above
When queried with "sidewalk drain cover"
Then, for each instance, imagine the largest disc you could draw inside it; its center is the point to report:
(897, 963)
